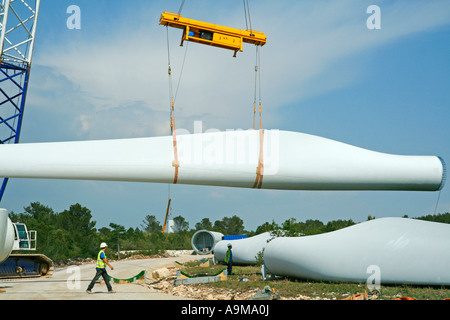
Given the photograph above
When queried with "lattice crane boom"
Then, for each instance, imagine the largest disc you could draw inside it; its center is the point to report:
(18, 21)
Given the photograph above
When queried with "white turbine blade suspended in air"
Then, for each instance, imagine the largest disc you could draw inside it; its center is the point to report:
(291, 160)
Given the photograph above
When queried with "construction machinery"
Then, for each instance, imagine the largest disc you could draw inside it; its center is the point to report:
(212, 34)
(167, 214)
(221, 37)
(16, 238)
(18, 23)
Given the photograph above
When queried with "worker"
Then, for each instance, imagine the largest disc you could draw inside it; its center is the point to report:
(101, 269)
(229, 259)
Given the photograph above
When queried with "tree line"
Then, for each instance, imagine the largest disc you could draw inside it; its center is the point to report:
(73, 234)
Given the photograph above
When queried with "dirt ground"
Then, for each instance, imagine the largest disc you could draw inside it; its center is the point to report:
(70, 282)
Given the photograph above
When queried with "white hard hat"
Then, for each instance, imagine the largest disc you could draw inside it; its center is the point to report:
(103, 245)
(229, 245)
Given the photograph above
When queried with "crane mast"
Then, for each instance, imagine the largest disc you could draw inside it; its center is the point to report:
(18, 20)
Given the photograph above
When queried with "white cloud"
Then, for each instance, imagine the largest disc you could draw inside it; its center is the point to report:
(122, 78)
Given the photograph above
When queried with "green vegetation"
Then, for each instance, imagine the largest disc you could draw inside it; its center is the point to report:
(293, 288)
(201, 268)
(72, 233)
(249, 279)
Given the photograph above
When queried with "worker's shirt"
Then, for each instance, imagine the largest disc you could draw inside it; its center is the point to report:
(100, 263)
(229, 256)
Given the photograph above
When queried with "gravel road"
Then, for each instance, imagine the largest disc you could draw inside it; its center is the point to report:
(70, 283)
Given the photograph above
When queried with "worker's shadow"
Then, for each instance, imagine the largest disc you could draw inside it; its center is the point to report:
(100, 292)
(3, 288)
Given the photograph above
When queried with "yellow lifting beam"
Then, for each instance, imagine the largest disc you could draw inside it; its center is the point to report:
(212, 34)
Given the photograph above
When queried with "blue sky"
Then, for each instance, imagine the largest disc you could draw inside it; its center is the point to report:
(323, 73)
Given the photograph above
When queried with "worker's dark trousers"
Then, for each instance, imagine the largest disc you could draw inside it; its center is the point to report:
(104, 274)
(229, 267)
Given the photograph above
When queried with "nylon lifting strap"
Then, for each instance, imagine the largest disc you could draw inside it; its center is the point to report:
(175, 162)
(260, 169)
